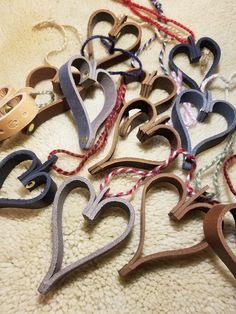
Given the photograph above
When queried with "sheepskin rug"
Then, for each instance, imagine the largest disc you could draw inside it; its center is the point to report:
(198, 284)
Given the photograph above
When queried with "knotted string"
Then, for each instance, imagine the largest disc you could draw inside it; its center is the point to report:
(204, 59)
(110, 44)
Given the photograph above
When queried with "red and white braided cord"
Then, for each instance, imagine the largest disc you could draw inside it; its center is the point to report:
(145, 174)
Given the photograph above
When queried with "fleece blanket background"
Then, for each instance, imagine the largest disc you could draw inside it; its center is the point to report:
(200, 284)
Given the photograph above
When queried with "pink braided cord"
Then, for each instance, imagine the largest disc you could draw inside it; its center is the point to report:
(188, 117)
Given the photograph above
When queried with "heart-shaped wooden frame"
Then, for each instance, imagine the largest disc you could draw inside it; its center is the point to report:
(213, 230)
(36, 175)
(89, 76)
(178, 212)
(119, 28)
(204, 106)
(190, 51)
(94, 207)
(147, 117)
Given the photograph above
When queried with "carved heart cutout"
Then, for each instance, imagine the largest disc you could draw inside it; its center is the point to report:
(148, 115)
(213, 229)
(35, 176)
(194, 52)
(95, 206)
(119, 29)
(150, 83)
(149, 129)
(204, 105)
(89, 75)
(179, 211)
(161, 82)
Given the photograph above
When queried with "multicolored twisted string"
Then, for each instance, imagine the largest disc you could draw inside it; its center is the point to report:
(148, 174)
(227, 164)
(44, 92)
(100, 143)
(217, 162)
(158, 7)
(147, 44)
(188, 117)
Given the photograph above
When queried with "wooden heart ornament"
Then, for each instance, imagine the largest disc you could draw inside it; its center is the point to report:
(95, 206)
(194, 52)
(120, 27)
(35, 176)
(179, 211)
(89, 75)
(213, 230)
(205, 105)
(148, 83)
(145, 119)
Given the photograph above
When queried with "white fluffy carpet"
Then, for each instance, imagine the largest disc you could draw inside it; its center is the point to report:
(200, 284)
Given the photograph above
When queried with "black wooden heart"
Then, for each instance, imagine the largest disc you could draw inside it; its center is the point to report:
(194, 52)
(36, 175)
(204, 105)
